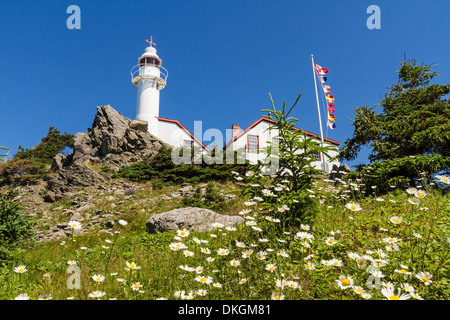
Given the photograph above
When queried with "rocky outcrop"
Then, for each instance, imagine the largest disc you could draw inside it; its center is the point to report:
(113, 140)
(70, 178)
(191, 218)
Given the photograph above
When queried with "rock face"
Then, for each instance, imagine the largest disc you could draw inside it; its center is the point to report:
(191, 218)
(113, 140)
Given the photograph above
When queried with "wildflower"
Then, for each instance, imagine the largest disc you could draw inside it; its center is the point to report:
(292, 284)
(352, 255)
(415, 296)
(120, 279)
(358, 289)
(136, 286)
(46, 276)
(235, 262)
(306, 244)
(304, 227)
(231, 229)
(420, 194)
(186, 268)
(20, 269)
(223, 252)
(263, 240)
(98, 278)
(217, 225)
(407, 287)
(443, 179)
(424, 277)
(344, 282)
(246, 254)
(330, 241)
(261, 255)
(403, 271)
(281, 283)
(132, 265)
(201, 292)
(353, 206)
(188, 253)
(179, 294)
(413, 201)
(271, 267)
(417, 235)
(75, 225)
(396, 220)
(326, 262)
(210, 259)
(282, 253)
(304, 235)
(379, 262)
(217, 285)
(310, 266)
(277, 296)
(379, 199)
(183, 233)
(242, 281)
(336, 262)
(96, 294)
(249, 173)
(45, 297)
(204, 279)
(366, 295)
(390, 295)
(390, 240)
(411, 190)
(22, 296)
(377, 273)
(177, 246)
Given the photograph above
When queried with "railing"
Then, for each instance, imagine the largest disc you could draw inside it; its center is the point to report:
(138, 74)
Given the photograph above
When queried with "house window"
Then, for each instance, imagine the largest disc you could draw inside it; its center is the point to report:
(276, 140)
(188, 143)
(252, 143)
(316, 156)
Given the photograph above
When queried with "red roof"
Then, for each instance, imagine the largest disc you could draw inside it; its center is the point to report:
(185, 129)
(263, 118)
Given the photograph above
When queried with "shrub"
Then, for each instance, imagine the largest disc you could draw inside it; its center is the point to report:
(15, 226)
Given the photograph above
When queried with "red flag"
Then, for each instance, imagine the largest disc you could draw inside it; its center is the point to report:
(331, 117)
(330, 107)
(326, 88)
(320, 70)
(330, 98)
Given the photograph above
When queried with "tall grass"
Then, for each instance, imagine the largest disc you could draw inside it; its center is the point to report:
(389, 247)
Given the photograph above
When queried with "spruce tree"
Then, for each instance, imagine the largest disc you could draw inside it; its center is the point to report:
(411, 135)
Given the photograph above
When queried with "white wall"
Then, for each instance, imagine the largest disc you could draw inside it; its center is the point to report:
(265, 136)
(173, 134)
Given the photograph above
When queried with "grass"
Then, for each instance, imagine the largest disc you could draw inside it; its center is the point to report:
(405, 245)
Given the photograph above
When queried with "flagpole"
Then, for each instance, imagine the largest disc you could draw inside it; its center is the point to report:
(318, 111)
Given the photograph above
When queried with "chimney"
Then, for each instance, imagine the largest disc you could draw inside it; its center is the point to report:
(236, 129)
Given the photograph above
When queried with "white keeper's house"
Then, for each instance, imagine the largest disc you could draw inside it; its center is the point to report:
(150, 77)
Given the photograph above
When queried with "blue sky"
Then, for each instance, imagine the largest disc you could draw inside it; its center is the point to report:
(224, 57)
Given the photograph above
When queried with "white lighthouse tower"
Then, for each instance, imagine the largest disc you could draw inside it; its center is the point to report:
(149, 77)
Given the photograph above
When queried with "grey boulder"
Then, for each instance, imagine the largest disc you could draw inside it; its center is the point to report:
(191, 218)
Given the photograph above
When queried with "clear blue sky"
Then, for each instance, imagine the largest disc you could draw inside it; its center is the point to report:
(224, 57)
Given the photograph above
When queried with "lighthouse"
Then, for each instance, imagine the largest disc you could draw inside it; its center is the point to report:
(149, 77)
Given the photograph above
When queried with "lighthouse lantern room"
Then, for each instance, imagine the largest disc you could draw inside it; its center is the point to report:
(149, 77)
